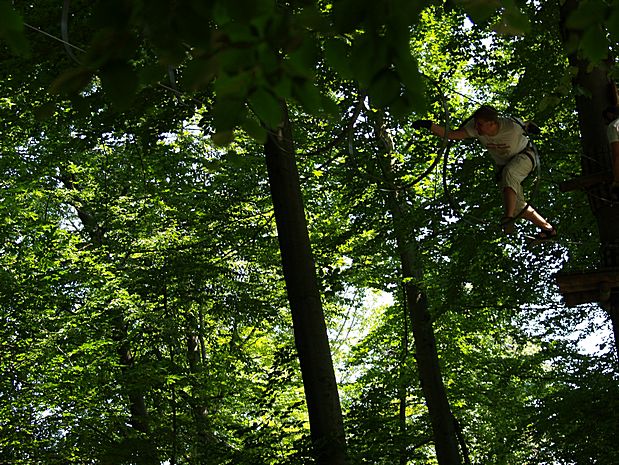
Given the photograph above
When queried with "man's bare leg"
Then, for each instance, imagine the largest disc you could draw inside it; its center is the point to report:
(509, 201)
(530, 214)
(535, 218)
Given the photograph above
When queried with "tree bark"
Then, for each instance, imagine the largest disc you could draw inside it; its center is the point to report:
(441, 418)
(598, 94)
(310, 331)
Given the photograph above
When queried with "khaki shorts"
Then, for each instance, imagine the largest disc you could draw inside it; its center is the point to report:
(512, 175)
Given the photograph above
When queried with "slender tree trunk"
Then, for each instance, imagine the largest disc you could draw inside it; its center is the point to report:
(205, 440)
(598, 94)
(323, 404)
(441, 418)
(137, 404)
(402, 393)
(443, 427)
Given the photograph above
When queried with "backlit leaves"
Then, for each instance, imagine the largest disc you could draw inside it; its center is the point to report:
(595, 21)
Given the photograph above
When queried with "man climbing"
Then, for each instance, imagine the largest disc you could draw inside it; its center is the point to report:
(514, 156)
(611, 116)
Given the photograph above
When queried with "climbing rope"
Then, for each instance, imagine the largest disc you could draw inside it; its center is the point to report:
(445, 145)
(64, 31)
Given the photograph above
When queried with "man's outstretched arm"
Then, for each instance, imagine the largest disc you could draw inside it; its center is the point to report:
(438, 130)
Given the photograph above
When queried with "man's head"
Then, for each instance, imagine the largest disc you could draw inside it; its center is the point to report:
(610, 113)
(486, 121)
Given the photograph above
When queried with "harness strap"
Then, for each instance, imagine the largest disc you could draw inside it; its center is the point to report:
(530, 152)
(532, 158)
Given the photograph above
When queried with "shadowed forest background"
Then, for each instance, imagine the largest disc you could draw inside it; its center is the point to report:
(221, 241)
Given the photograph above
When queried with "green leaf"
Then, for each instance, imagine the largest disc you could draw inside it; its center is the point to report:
(547, 103)
(233, 86)
(368, 57)
(329, 106)
(385, 89)
(72, 81)
(191, 25)
(513, 22)
(198, 73)
(12, 29)
(308, 95)
(612, 23)
(303, 59)
(589, 13)
(337, 56)
(81, 105)
(282, 87)
(266, 107)
(408, 72)
(254, 130)
(594, 45)
(400, 107)
(243, 11)
(222, 138)
(44, 111)
(311, 18)
(232, 60)
(479, 10)
(417, 97)
(120, 83)
(227, 113)
(151, 74)
(348, 15)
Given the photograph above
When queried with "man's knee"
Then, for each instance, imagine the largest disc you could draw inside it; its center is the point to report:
(508, 190)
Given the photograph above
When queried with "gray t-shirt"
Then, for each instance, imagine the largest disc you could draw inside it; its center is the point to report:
(613, 131)
(509, 141)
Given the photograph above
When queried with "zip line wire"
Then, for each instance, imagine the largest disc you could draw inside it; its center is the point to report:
(69, 47)
(56, 38)
(445, 146)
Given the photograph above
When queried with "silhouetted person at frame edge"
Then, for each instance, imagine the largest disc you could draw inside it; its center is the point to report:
(611, 116)
(507, 143)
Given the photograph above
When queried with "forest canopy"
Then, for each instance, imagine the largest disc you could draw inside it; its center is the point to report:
(223, 241)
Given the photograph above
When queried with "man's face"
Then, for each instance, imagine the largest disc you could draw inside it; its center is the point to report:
(609, 117)
(486, 128)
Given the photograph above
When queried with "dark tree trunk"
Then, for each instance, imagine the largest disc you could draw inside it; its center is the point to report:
(310, 330)
(205, 440)
(146, 451)
(441, 418)
(598, 94)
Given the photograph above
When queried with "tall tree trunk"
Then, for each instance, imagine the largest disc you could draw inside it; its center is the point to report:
(310, 331)
(597, 95)
(441, 418)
